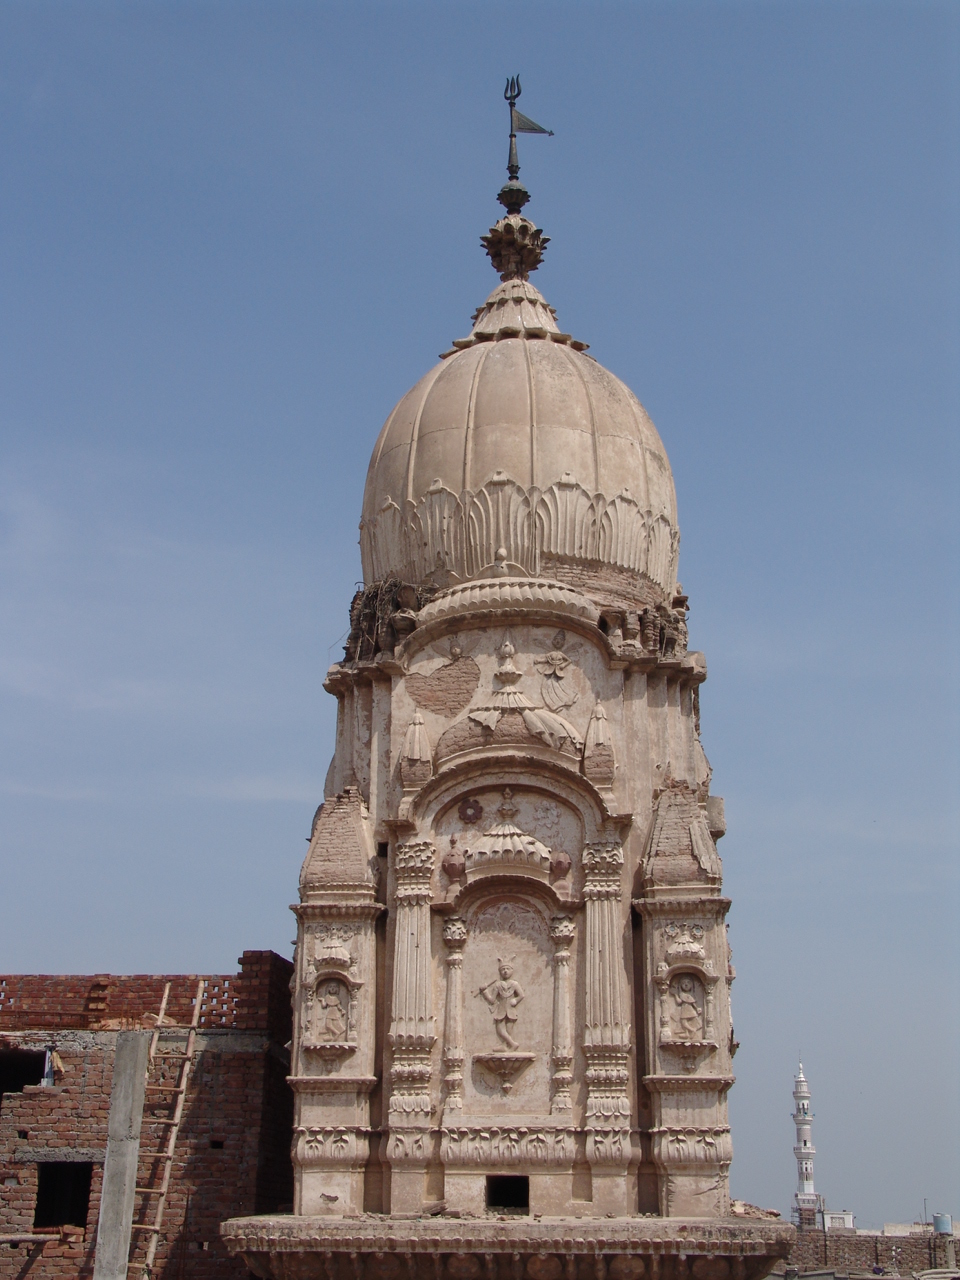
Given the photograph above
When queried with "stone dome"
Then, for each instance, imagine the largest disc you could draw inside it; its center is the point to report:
(520, 454)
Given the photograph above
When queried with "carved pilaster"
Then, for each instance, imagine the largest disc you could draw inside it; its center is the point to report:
(688, 1050)
(332, 1054)
(412, 1032)
(606, 1030)
(412, 1026)
(454, 935)
(562, 932)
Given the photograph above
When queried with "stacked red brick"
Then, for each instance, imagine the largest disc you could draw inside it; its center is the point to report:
(233, 1155)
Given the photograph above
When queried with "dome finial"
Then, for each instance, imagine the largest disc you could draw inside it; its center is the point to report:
(515, 245)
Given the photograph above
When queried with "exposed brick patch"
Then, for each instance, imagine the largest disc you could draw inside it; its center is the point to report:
(448, 690)
(606, 584)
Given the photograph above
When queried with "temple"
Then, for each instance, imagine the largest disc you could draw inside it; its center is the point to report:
(512, 1041)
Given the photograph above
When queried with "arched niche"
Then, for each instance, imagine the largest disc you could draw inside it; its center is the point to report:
(508, 1025)
(687, 1011)
(330, 1008)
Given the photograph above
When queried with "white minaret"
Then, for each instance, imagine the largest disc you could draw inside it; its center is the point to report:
(807, 1202)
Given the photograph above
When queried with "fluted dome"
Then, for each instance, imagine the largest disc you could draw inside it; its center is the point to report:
(522, 453)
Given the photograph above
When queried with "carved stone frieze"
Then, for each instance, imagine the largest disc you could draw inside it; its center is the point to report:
(609, 1145)
(467, 1145)
(409, 1145)
(323, 1146)
(463, 533)
(692, 1145)
(683, 940)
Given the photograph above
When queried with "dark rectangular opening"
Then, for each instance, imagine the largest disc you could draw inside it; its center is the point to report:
(63, 1194)
(19, 1067)
(508, 1194)
(382, 850)
(216, 1144)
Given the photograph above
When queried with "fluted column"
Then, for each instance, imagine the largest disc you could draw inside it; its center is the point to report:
(412, 1032)
(562, 932)
(606, 1029)
(454, 935)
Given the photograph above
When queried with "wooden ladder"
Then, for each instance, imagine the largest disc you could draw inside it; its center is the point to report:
(176, 1093)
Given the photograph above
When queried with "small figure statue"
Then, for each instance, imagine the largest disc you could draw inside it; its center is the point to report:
(557, 685)
(689, 1020)
(503, 995)
(331, 1019)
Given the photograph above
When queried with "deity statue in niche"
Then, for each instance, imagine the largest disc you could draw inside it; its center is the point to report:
(503, 995)
(687, 1007)
(331, 1018)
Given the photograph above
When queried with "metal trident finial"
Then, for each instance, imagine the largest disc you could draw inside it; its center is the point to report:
(511, 93)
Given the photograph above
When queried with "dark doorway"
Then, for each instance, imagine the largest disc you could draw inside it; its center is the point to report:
(508, 1194)
(63, 1194)
(19, 1067)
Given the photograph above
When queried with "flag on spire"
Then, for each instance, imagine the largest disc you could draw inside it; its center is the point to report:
(523, 124)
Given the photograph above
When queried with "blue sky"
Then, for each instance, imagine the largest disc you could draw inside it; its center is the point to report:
(233, 234)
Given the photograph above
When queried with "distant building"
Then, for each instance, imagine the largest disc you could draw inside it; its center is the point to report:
(809, 1209)
(807, 1205)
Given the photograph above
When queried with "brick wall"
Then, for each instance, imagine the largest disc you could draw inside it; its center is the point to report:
(848, 1251)
(233, 1153)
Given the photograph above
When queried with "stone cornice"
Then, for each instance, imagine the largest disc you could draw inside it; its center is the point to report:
(328, 907)
(332, 1084)
(723, 1237)
(714, 906)
(688, 1084)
